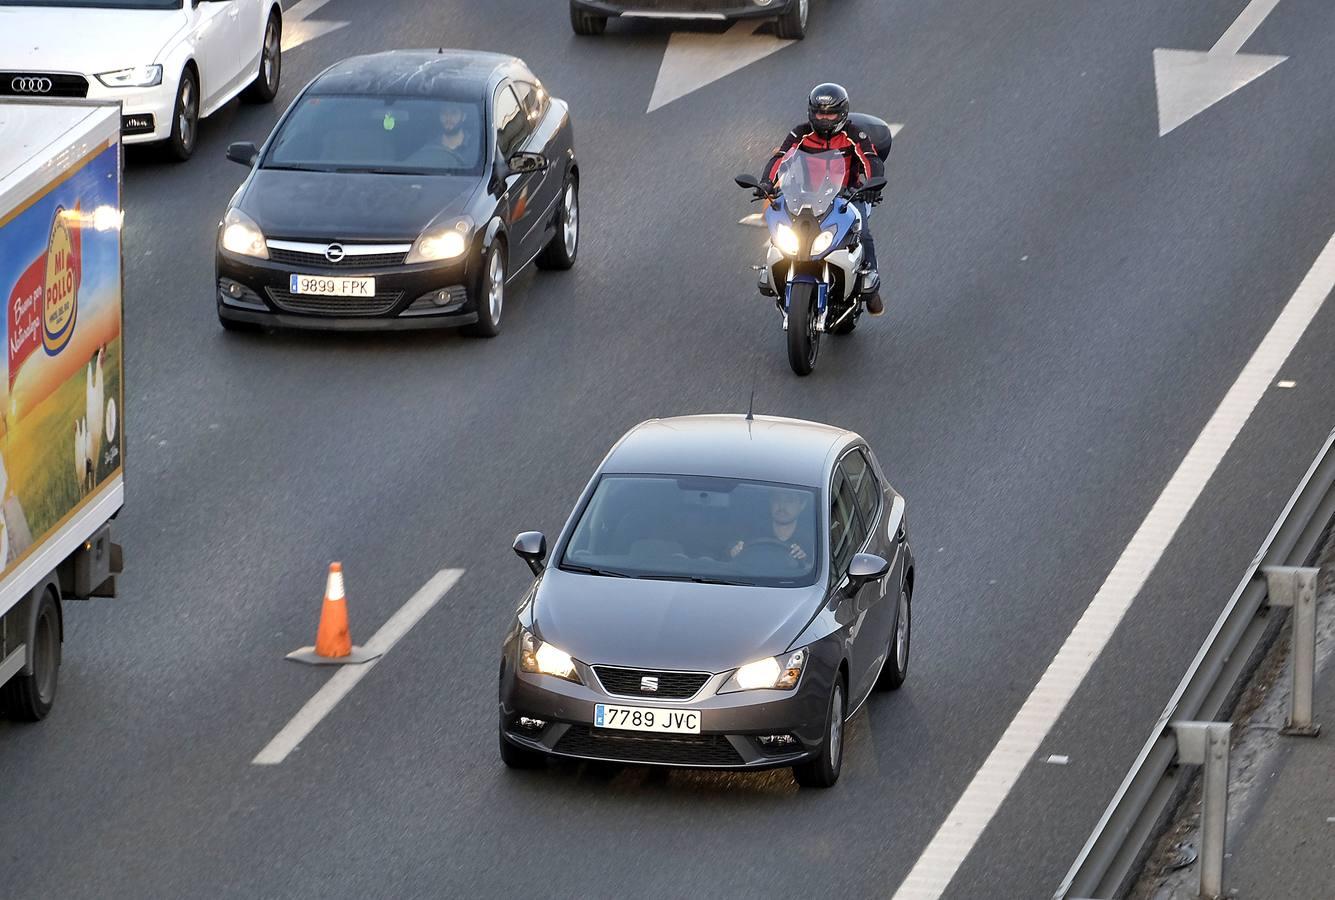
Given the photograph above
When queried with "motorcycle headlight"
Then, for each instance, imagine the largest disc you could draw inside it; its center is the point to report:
(786, 239)
(540, 657)
(773, 673)
(822, 242)
(241, 235)
(436, 244)
(138, 76)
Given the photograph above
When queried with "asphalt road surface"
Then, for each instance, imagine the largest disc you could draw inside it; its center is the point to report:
(1069, 297)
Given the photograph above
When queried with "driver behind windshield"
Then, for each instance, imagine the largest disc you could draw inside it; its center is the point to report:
(786, 525)
(454, 142)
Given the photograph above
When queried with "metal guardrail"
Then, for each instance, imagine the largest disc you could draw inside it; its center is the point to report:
(1157, 780)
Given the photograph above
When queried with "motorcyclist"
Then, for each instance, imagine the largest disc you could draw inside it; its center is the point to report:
(828, 128)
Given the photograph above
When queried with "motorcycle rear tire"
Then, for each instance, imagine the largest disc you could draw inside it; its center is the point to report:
(803, 338)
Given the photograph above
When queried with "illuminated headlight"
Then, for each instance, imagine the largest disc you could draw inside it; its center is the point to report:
(822, 242)
(241, 235)
(774, 673)
(441, 243)
(786, 240)
(540, 657)
(139, 76)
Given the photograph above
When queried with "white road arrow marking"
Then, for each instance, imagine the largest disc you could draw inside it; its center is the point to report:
(298, 28)
(695, 59)
(1188, 82)
(758, 219)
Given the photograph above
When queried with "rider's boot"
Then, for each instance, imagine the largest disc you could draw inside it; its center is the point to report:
(871, 292)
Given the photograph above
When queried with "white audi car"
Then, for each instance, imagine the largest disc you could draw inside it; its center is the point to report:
(169, 62)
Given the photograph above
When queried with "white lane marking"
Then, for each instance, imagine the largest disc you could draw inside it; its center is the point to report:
(694, 59)
(1057, 760)
(1286, 384)
(958, 834)
(298, 28)
(1188, 82)
(346, 678)
(1244, 26)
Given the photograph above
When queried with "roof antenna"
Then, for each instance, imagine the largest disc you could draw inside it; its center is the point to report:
(440, 50)
(750, 415)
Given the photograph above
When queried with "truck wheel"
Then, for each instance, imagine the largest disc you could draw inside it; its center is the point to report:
(30, 697)
(585, 23)
(792, 25)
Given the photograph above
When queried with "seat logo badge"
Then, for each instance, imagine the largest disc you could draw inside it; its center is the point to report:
(31, 85)
(649, 683)
(334, 252)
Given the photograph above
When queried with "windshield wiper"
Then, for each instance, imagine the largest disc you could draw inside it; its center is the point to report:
(590, 570)
(696, 579)
(294, 167)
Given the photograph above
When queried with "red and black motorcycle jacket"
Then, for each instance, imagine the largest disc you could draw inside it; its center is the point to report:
(861, 154)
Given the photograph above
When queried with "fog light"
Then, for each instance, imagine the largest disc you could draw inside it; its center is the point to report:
(777, 741)
(531, 724)
(441, 297)
(234, 289)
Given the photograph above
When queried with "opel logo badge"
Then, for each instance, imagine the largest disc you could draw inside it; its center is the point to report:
(648, 683)
(26, 85)
(334, 252)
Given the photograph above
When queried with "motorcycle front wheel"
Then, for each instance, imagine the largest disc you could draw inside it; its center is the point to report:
(803, 339)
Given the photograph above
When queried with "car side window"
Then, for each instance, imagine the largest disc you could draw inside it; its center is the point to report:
(533, 99)
(511, 124)
(846, 531)
(865, 485)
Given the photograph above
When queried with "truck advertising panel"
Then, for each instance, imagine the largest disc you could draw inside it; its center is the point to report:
(61, 403)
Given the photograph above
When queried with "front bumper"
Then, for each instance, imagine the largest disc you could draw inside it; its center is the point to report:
(146, 113)
(255, 292)
(685, 9)
(731, 725)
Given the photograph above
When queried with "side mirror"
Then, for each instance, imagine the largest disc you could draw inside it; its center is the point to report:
(531, 547)
(243, 152)
(528, 162)
(864, 569)
(748, 181)
(873, 184)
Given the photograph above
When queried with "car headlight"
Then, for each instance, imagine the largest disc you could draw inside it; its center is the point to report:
(786, 239)
(540, 657)
(241, 235)
(441, 243)
(139, 76)
(779, 673)
(822, 242)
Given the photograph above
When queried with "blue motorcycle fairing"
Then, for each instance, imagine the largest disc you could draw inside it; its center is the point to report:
(822, 291)
(841, 217)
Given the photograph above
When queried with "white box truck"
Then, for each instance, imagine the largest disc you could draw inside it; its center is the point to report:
(61, 399)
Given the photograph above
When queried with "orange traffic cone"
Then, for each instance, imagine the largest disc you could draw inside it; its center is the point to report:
(333, 642)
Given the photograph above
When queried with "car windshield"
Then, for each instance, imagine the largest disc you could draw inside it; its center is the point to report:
(394, 135)
(811, 179)
(688, 528)
(102, 4)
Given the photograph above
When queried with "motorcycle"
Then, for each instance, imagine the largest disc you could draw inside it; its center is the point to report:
(813, 264)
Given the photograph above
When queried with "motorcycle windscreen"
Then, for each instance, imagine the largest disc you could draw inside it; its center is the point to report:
(811, 180)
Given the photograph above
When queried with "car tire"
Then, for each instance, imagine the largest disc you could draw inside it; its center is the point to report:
(561, 250)
(265, 86)
(823, 771)
(792, 25)
(586, 23)
(896, 667)
(185, 117)
(490, 293)
(30, 697)
(517, 757)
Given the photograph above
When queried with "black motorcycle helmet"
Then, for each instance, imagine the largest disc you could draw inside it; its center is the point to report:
(827, 108)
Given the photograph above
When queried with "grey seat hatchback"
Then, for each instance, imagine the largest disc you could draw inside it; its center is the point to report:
(727, 593)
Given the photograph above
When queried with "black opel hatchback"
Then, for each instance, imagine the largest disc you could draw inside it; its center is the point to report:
(400, 190)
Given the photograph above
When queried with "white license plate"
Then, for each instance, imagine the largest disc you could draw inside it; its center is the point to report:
(643, 718)
(336, 286)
